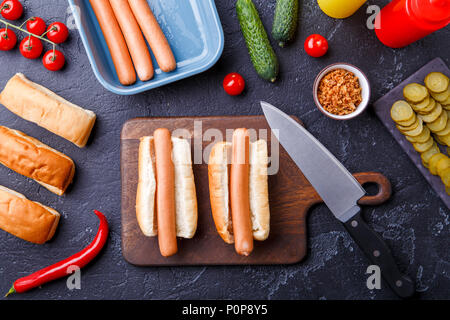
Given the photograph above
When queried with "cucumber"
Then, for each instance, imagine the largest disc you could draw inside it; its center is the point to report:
(261, 52)
(285, 21)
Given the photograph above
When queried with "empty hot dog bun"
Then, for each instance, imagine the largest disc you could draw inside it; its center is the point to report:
(37, 104)
(33, 159)
(28, 220)
(185, 193)
(219, 175)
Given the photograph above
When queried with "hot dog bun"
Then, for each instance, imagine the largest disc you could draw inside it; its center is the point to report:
(28, 220)
(185, 200)
(219, 175)
(33, 159)
(145, 197)
(185, 193)
(39, 105)
(259, 190)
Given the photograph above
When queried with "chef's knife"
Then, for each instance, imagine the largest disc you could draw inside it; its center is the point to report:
(339, 190)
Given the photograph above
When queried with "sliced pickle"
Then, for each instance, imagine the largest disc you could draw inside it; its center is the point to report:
(439, 140)
(421, 105)
(415, 132)
(446, 130)
(440, 123)
(433, 115)
(426, 156)
(430, 107)
(411, 127)
(442, 164)
(408, 122)
(445, 177)
(441, 97)
(445, 139)
(422, 147)
(432, 164)
(446, 102)
(402, 111)
(415, 92)
(424, 136)
(436, 82)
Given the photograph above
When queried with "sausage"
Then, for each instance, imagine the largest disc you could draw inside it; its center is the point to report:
(134, 39)
(165, 193)
(115, 41)
(239, 193)
(154, 35)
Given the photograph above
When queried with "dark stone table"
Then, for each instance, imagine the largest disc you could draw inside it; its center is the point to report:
(415, 223)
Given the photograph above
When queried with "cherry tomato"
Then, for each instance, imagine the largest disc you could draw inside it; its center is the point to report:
(316, 45)
(31, 47)
(36, 26)
(57, 32)
(8, 39)
(53, 61)
(234, 84)
(11, 9)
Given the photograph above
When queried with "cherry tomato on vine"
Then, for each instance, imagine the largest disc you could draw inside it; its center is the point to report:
(57, 32)
(36, 26)
(11, 9)
(316, 45)
(31, 47)
(234, 84)
(53, 60)
(8, 39)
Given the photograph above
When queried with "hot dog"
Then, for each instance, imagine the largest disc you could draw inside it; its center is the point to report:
(134, 39)
(154, 35)
(165, 193)
(115, 41)
(220, 190)
(185, 195)
(239, 193)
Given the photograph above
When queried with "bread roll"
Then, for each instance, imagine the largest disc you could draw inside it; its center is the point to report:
(185, 193)
(37, 104)
(219, 173)
(145, 197)
(33, 159)
(28, 220)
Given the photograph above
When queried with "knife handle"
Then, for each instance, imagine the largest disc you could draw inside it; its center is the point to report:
(379, 254)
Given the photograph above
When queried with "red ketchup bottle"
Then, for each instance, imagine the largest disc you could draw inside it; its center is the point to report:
(403, 22)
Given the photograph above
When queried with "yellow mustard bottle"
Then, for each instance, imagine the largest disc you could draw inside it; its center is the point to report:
(340, 8)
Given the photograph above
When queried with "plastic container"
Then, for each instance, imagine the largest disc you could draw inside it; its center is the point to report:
(403, 22)
(192, 28)
(340, 8)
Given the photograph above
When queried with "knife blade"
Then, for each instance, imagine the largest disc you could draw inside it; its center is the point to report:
(339, 190)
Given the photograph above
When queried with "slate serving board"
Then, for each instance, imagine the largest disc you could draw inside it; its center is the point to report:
(382, 109)
(290, 197)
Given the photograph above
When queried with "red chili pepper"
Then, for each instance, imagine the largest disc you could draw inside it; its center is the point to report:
(59, 270)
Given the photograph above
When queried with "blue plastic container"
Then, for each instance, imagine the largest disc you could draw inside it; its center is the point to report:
(192, 28)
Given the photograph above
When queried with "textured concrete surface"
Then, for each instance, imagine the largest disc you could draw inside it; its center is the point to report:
(415, 223)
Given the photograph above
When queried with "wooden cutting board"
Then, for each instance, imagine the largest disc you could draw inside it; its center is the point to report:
(290, 197)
